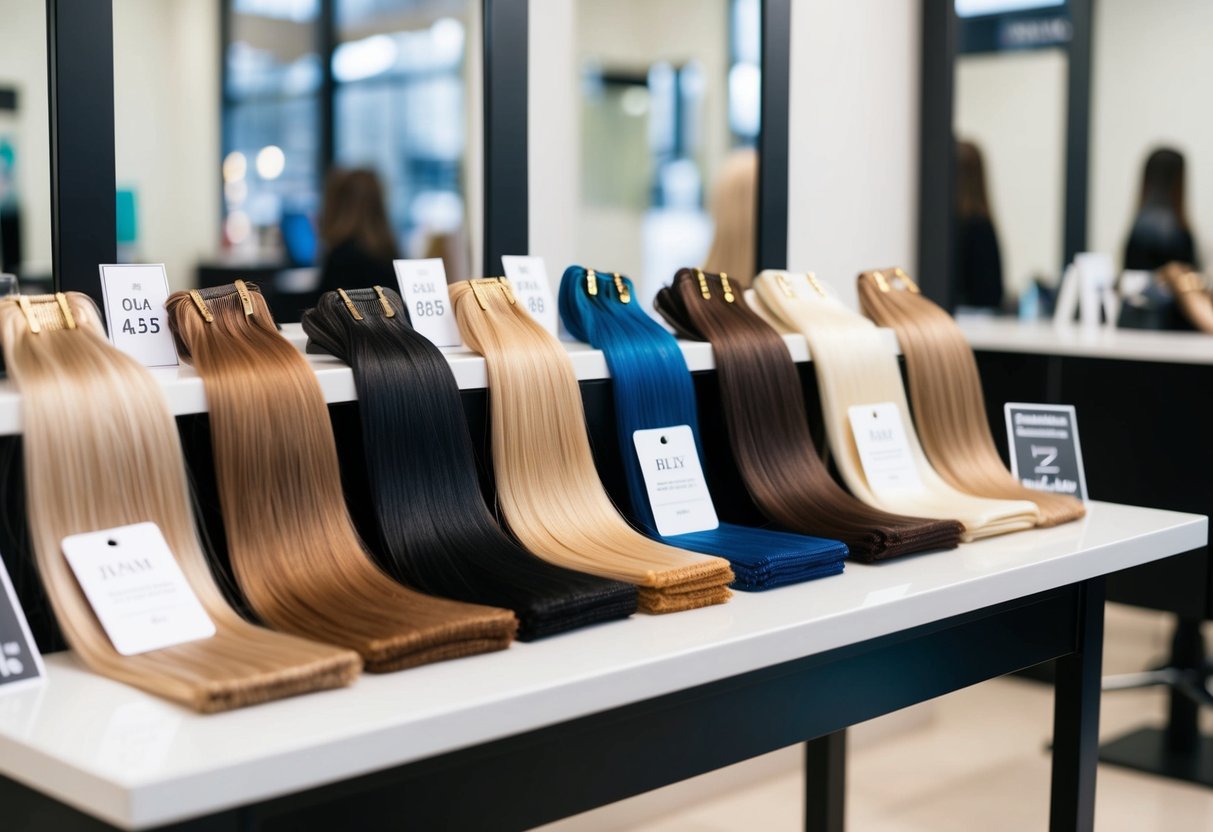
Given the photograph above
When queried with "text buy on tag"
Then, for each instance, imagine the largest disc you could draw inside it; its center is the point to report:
(884, 450)
(134, 311)
(529, 278)
(673, 478)
(136, 588)
(428, 300)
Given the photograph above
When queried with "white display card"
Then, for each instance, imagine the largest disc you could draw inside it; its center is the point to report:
(529, 279)
(134, 297)
(673, 478)
(428, 300)
(884, 450)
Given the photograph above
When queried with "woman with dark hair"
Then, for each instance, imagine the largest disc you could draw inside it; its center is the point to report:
(358, 239)
(978, 261)
(1160, 233)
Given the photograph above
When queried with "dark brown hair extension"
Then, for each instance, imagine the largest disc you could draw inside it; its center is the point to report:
(769, 427)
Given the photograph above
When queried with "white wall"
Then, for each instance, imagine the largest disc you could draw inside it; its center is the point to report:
(166, 111)
(1152, 66)
(23, 67)
(1013, 105)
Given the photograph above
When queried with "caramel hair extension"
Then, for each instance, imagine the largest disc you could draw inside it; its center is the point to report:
(855, 366)
(768, 428)
(1190, 293)
(945, 391)
(547, 486)
(101, 450)
(291, 541)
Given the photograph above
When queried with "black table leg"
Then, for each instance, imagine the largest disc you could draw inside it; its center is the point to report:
(825, 781)
(1076, 719)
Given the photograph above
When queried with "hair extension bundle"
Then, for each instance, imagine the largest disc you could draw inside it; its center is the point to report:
(547, 485)
(291, 541)
(945, 391)
(769, 428)
(101, 450)
(1191, 296)
(854, 366)
(439, 534)
(653, 389)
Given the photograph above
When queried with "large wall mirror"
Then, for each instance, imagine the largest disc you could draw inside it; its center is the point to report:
(25, 168)
(304, 144)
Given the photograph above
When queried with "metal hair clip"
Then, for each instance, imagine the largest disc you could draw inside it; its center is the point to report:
(68, 318)
(203, 309)
(784, 285)
(487, 284)
(900, 274)
(621, 289)
(349, 304)
(728, 290)
(815, 283)
(246, 299)
(388, 311)
(703, 284)
(28, 311)
(881, 283)
(591, 282)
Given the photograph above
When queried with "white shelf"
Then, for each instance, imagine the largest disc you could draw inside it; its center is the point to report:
(1043, 338)
(137, 761)
(184, 392)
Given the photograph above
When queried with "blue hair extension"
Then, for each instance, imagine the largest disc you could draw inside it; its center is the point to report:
(653, 389)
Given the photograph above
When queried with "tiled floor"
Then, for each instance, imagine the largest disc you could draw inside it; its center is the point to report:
(978, 762)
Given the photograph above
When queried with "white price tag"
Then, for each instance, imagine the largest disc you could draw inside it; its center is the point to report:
(426, 297)
(529, 277)
(134, 310)
(884, 450)
(673, 478)
(136, 588)
(20, 661)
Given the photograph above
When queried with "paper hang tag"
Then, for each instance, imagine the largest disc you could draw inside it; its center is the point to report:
(20, 661)
(1045, 452)
(134, 298)
(136, 588)
(529, 277)
(428, 300)
(884, 449)
(673, 478)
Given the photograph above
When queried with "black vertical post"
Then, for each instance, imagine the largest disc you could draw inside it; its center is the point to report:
(936, 152)
(825, 783)
(771, 222)
(326, 44)
(1078, 127)
(505, 131)
(80, 58)
(1076, 719)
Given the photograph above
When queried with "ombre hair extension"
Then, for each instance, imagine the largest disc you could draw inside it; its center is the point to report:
(653, 389)
(945, 391)
(547, 486)
(101, 450)
(855, 366)
(438, 532)
(768, 427)
(291, 541)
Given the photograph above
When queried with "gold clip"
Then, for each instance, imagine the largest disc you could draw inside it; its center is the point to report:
(388, 311)
(728, 290)
(783, 284)
(900, 274)
(815, 283)
(622, 289)
(203, 309)
(591, 282)
(349, 304)
(703, 284)
(28, 311)
(246, 300)
(487, 283)
(881, 283)
(68, 318)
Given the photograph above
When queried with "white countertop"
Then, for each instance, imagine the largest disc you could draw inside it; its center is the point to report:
(1044, 338)
(137, 761)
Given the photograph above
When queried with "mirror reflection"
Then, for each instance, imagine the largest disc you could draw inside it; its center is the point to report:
(669, 118)
(25, 172)
(319, 143)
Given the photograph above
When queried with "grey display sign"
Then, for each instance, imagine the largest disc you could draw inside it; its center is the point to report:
(20, 661)
(1045, 454)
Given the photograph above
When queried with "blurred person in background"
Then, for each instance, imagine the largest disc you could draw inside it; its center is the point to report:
(359, 245)
(734, 204)
(1160, 232)
(978, 260)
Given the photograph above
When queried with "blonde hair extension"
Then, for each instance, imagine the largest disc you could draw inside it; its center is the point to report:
(291, 541)
(547, 485)
(945, 390)
(855, 366)
(101, 451)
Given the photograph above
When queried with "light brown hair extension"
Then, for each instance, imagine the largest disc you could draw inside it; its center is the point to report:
(945, 391)
(855, 366)
(291, 541)
(547, 485)
(101, 450)
(1190, 293)
(734, 209)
